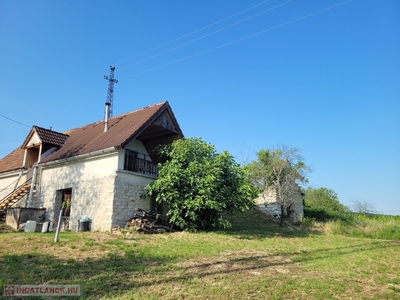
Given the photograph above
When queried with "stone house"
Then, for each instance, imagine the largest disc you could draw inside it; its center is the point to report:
(269, 203)
(97, 170)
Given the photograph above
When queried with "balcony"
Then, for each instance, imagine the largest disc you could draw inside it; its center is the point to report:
(140, 163)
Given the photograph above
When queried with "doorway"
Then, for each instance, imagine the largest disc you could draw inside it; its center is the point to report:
(66, 202)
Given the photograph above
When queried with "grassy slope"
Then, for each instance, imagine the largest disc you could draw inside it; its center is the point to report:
(255, 259)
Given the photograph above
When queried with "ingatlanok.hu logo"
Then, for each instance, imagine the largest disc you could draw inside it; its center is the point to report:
(41, 290)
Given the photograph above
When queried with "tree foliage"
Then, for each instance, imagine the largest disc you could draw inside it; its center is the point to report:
(322, 204)
(323, 198)
(200, 185)
(281, 168)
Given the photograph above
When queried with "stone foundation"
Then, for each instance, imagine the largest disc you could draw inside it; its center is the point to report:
(128, 195)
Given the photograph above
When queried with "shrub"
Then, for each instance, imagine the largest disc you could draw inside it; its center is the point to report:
(200, 185)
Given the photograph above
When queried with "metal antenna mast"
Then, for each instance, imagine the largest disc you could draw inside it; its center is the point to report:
(110, 91)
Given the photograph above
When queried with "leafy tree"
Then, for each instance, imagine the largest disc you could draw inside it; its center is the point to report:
(322, 204)
(200, 185)
(323, 198)
(281, 168)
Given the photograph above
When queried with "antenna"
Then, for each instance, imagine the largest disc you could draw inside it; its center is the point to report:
(110, 91)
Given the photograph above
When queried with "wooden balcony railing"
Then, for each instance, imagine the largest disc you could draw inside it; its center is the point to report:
(140, 165)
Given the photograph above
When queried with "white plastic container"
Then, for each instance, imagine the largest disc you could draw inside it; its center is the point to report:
(45, 227)
(30, 226)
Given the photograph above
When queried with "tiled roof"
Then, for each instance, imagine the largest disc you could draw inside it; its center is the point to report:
(121, 130)
(12, 161)
(51, 137)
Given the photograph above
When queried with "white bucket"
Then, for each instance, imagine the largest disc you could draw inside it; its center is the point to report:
(30, 226)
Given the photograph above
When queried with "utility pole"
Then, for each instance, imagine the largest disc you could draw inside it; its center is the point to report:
(110, 91)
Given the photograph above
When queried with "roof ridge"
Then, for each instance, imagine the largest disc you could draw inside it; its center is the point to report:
(139, 109)
(48, 130)
(118, 116)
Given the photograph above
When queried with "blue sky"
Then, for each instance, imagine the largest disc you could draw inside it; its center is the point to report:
(323, 76)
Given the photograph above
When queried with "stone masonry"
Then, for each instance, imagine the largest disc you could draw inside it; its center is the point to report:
(268, 202)
(128, 196)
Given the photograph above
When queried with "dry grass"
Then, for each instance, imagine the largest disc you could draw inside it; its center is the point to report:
(265, 262)
(5, 228)
(378, 228)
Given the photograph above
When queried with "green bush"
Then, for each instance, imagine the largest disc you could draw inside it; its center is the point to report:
(325, 215)
(322, 205)
(200, 186)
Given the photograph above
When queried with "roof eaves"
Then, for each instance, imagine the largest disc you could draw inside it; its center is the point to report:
(175, 121)
(92, 154)
(164, 106)
(28, 137)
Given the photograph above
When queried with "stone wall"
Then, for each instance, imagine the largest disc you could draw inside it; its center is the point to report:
(128, 195)
(269, 203)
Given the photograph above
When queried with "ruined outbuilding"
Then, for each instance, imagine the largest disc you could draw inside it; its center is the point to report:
(269, 203)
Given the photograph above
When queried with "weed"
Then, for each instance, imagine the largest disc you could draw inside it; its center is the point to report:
(325, 261)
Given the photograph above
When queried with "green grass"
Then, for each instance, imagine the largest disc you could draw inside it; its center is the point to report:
(255, 259)
(374, 227)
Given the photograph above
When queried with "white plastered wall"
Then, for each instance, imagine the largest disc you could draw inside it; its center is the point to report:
(7, 183)
(92, 184)
(101, 189)
(11, 180)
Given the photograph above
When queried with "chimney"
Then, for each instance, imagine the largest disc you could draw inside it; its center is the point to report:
(106, 117)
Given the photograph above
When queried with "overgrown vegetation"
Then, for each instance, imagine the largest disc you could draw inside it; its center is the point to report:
(254, 259)
(282, 169)
(361, 225)
(200, 185)
(324, 211)
(322, 205)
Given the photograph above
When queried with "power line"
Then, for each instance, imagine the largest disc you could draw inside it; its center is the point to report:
(242, 39)
(193, 32)
(15, 121)
(207, 35)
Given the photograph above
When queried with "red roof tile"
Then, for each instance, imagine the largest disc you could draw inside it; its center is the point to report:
(121, 130)
(50, 137)
(12, 161)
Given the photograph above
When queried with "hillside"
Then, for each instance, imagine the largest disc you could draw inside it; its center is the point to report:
(255, 259)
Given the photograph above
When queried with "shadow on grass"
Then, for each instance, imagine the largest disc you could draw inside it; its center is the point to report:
(268, 231)
(254, 262)
(98, 277)
(116, 274)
